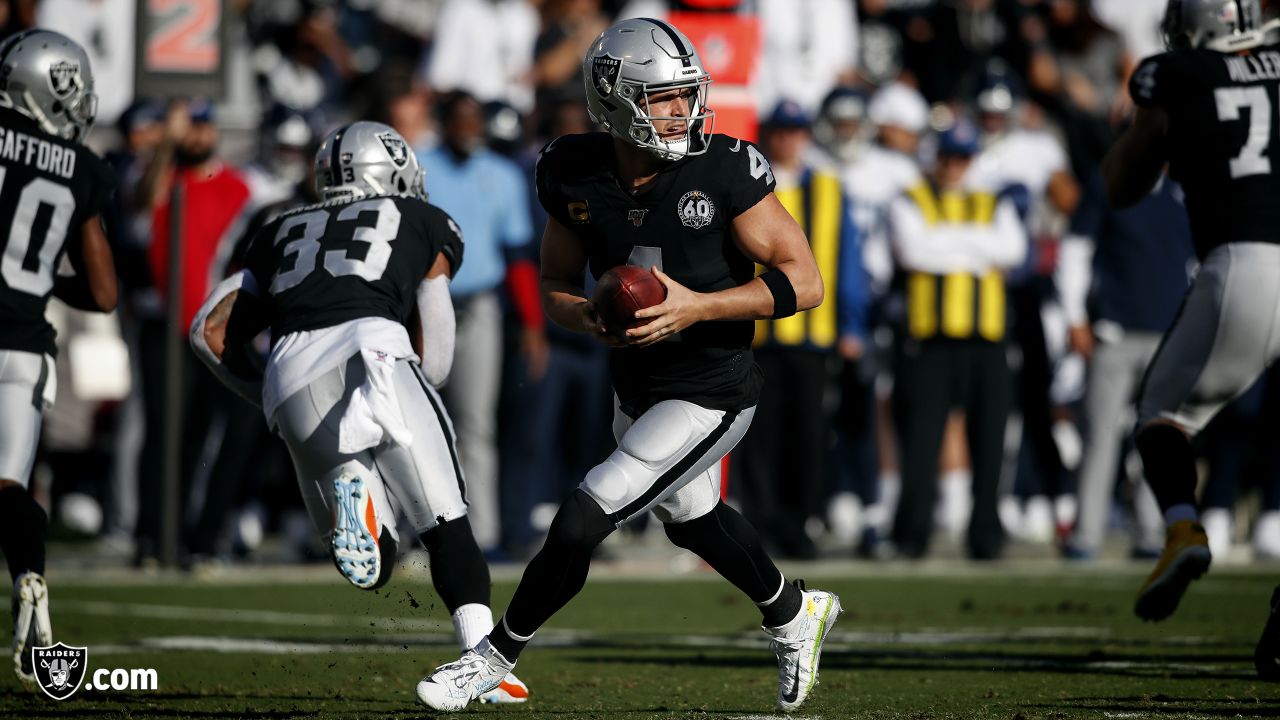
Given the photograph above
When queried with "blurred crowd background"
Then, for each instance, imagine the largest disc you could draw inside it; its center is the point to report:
(869, 442)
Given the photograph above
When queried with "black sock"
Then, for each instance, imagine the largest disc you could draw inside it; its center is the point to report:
(730, 545)
(458, 570)
(783, 609)
(555, 574)
(1170, 464)
(23, 526)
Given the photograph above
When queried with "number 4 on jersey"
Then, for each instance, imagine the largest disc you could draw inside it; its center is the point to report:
(759, 165)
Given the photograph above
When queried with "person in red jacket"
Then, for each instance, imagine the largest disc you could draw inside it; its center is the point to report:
(215, 202)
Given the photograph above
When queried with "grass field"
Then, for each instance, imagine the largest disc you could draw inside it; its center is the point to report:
(985, 644)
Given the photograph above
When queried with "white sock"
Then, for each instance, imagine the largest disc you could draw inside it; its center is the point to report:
(471, 623)
(1180, 512)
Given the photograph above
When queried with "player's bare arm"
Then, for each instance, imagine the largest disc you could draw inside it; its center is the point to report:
(223, 329)
(1132, 167)
(768, 235)
(564, 261)
(93, 287)
(215, 325)
(1063, 192)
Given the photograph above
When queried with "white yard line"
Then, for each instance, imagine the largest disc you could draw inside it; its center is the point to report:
(259, 647)
(565, 637)
(249, 616)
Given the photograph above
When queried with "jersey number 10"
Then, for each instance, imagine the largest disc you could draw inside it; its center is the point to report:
(314, 224)
(1252, 159)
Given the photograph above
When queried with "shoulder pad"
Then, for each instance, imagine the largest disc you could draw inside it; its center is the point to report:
(450, 236)
(574, 156)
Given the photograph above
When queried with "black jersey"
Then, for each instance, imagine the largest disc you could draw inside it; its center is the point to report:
(49, 188)
(1224, 138)
(325, 264)
(682, 225)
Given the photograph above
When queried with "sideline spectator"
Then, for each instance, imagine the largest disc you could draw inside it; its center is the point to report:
(214, 199)
(953, 245)
(783, 464)
(487, 196)
(1118, 304)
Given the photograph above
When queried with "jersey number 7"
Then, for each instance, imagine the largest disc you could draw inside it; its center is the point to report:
(1252, 159)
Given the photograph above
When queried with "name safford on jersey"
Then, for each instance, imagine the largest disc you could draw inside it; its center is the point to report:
(40, 153)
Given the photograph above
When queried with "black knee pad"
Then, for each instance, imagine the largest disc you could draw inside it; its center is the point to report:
(580, 523)
(458, 570)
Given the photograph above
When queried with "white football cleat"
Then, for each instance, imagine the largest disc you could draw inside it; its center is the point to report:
(357, 550)
(510, 690)
(31, 627)
(453, 685)
(798, 645)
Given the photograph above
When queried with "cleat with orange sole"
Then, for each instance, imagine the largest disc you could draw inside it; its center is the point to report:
(510, 690)
(355, 542)
(1185, 558)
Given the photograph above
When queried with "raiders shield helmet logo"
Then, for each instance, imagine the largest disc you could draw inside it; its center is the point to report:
(59, 669)
(396, 148)
(605, 70)
(62, 78)
(636, 217)
(696, 209)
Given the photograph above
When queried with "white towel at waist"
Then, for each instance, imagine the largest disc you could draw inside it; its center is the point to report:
(373, 413)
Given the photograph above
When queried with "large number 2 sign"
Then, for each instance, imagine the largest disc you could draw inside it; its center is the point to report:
(184, 37)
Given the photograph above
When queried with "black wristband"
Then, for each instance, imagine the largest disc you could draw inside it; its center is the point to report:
(784, 295)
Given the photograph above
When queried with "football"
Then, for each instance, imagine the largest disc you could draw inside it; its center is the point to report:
(622, 291)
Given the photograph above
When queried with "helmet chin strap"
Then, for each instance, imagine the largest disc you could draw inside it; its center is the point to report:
(33, 109)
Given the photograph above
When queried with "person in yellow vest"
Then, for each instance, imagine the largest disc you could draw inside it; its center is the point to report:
(952, 244)
(783, 462)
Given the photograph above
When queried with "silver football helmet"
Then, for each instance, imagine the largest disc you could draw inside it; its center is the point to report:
(634, 59)
(366, 159)
(46, 76)
(1220, 25)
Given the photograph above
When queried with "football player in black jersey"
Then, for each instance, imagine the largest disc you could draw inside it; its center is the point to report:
(52, 193)
(1207, 109)
(660, 191)
(354, 290)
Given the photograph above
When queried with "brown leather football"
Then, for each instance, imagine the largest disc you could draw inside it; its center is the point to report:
(622, 291)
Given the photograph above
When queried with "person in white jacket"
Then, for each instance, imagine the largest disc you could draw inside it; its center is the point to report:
(952, 244)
